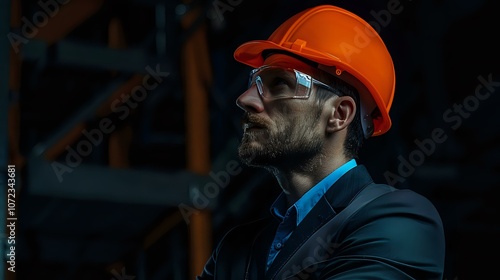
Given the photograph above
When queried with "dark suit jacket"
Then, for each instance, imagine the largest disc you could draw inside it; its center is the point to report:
(398, 235)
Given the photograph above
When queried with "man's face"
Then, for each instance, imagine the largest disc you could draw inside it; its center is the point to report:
(282, 132)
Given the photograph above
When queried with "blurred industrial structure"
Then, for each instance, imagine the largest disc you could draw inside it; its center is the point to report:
(123, 128)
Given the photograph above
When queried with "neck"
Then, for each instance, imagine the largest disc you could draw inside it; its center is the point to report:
(296, 180)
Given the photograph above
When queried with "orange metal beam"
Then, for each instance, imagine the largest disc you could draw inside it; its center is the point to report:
(67, 18)
(121, 95)
(13, 116)
(72, 136)
(120, 140)
(57, 149)
(197, 79)
(15, 156)
(119, 144)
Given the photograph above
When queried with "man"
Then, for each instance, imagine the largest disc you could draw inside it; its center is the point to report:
(323, 82)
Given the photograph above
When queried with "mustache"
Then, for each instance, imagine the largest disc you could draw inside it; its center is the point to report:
(254, 120)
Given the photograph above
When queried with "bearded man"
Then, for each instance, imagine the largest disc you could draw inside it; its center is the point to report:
(314, 95)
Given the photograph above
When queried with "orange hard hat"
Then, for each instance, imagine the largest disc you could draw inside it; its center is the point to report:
(344, 45)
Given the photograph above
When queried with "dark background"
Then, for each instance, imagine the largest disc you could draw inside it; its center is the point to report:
(116, 211)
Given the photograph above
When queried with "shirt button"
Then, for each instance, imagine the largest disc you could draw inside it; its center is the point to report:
(278, 246)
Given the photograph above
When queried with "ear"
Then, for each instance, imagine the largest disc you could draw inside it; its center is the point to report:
(342, 114)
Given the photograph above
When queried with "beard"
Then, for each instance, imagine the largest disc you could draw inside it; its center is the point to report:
(289, 145)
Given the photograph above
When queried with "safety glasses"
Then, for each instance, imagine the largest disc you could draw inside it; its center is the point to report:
(274, 82)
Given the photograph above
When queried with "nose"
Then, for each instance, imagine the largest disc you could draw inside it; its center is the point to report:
(250, 100)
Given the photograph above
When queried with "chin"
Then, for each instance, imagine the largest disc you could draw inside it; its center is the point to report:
(250, 154)
(246, 153)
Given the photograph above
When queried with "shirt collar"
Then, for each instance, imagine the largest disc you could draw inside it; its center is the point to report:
(303, 206)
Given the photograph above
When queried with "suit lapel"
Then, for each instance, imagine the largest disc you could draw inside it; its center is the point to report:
(338, 196)
(319, 215)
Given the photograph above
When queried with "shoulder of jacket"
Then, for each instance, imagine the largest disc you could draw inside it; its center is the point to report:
(400, 202)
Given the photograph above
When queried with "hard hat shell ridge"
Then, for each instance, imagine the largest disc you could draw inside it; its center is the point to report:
(343, 44)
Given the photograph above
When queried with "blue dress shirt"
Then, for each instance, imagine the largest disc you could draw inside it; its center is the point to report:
(290, 218)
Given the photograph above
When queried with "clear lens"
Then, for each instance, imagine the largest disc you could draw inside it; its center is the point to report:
(275, 82)
(304, 85)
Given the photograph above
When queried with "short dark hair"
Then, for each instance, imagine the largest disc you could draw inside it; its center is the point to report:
(355, 136)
